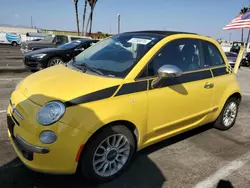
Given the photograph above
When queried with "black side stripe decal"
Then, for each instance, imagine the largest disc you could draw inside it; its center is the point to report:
(97, 95)
(220, 71)
(189, 77)
(132, 88)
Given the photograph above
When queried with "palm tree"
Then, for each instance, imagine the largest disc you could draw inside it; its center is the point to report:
(77, 19)
(243, 11)
(83, 16)
(92, 4)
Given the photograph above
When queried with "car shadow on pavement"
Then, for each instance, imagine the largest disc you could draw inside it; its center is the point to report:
(224, 184)
(142, 172)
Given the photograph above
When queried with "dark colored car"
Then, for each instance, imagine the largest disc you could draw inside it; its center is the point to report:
(232, 57)
(50, 41)
(236, 47)
(39, 59)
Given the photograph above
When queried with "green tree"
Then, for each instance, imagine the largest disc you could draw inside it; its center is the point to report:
(77, 19)
(83, 16)
(243, 11)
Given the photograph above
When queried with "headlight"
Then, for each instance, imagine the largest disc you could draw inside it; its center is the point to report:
(51, 113)
(18, 84)
(48, 137)
(39, 56)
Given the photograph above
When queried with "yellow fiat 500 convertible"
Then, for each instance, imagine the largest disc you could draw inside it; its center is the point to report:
(126, 92)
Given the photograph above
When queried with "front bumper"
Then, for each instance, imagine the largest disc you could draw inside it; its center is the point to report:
(34, 64)
(56, 158)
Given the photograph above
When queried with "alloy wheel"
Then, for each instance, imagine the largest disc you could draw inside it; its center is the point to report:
(111, 155)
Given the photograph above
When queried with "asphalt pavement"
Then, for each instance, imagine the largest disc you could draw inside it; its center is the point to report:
(11, 59)
(201, 158)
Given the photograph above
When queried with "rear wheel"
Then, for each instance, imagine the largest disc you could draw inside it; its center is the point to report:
(55, 61)
(228, 115)
(108, 153)
(14, 43)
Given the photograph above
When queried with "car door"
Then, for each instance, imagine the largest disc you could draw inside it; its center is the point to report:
(221, 73)
(179, 103)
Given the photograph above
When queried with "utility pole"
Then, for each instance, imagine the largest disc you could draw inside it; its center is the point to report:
(119, 23)
(31, 21)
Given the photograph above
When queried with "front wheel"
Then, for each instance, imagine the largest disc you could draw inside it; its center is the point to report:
(108, 153)
(228, 115)
(55, 61)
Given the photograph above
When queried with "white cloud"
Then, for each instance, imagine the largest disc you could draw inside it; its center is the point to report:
(17, 15)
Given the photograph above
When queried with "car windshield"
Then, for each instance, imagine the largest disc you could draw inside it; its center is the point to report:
(116, 56)
(48, 39)
(70, 45)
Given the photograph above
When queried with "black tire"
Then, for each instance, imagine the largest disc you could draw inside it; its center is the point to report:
(87, 157)
(33, 71)
(219, 123)
(14, 43)
(51, 61)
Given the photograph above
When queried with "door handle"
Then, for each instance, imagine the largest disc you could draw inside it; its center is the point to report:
(209, 85)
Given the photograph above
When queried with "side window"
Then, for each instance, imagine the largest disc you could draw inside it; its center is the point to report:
(74, 38)
(212, 55)
(84, 45)
(62, 39)
(183, 53)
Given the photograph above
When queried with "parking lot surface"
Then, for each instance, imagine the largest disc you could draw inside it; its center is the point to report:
(201, 158)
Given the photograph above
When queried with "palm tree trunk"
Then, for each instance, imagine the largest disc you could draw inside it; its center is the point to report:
(77, 19)
(242, 34)
(91, 20)
(83, 17)
(87, 27)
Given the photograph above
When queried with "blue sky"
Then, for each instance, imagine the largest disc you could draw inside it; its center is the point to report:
(206, 17)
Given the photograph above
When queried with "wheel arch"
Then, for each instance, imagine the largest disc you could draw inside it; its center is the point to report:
(235, 94)
(52, 57)
(126, 123)
(131, 126)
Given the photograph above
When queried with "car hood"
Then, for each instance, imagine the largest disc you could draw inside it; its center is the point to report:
(43, 50)
(31, 44)
(63, 84)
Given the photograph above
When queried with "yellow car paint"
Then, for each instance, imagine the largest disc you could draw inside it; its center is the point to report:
(189, 105)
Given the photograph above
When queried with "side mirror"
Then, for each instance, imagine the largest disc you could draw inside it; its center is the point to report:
(166, 71)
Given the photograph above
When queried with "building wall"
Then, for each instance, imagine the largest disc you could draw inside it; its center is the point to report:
(18, 30)
(73, 33)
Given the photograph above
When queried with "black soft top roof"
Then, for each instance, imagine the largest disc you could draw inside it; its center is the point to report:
(163, 33)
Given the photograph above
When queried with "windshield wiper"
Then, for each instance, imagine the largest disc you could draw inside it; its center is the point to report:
(84, 67)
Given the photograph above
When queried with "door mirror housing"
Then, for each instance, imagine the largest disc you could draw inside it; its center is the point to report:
(169, 71)
(166, 71)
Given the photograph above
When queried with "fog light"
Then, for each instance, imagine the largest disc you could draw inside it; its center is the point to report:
(48, 137)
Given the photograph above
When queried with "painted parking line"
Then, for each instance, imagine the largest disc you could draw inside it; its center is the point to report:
(3, 111)
(223, 172)
(10, 79)
(247, 94)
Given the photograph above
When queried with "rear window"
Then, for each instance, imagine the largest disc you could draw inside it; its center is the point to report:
(75, 38)
(212, 55)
